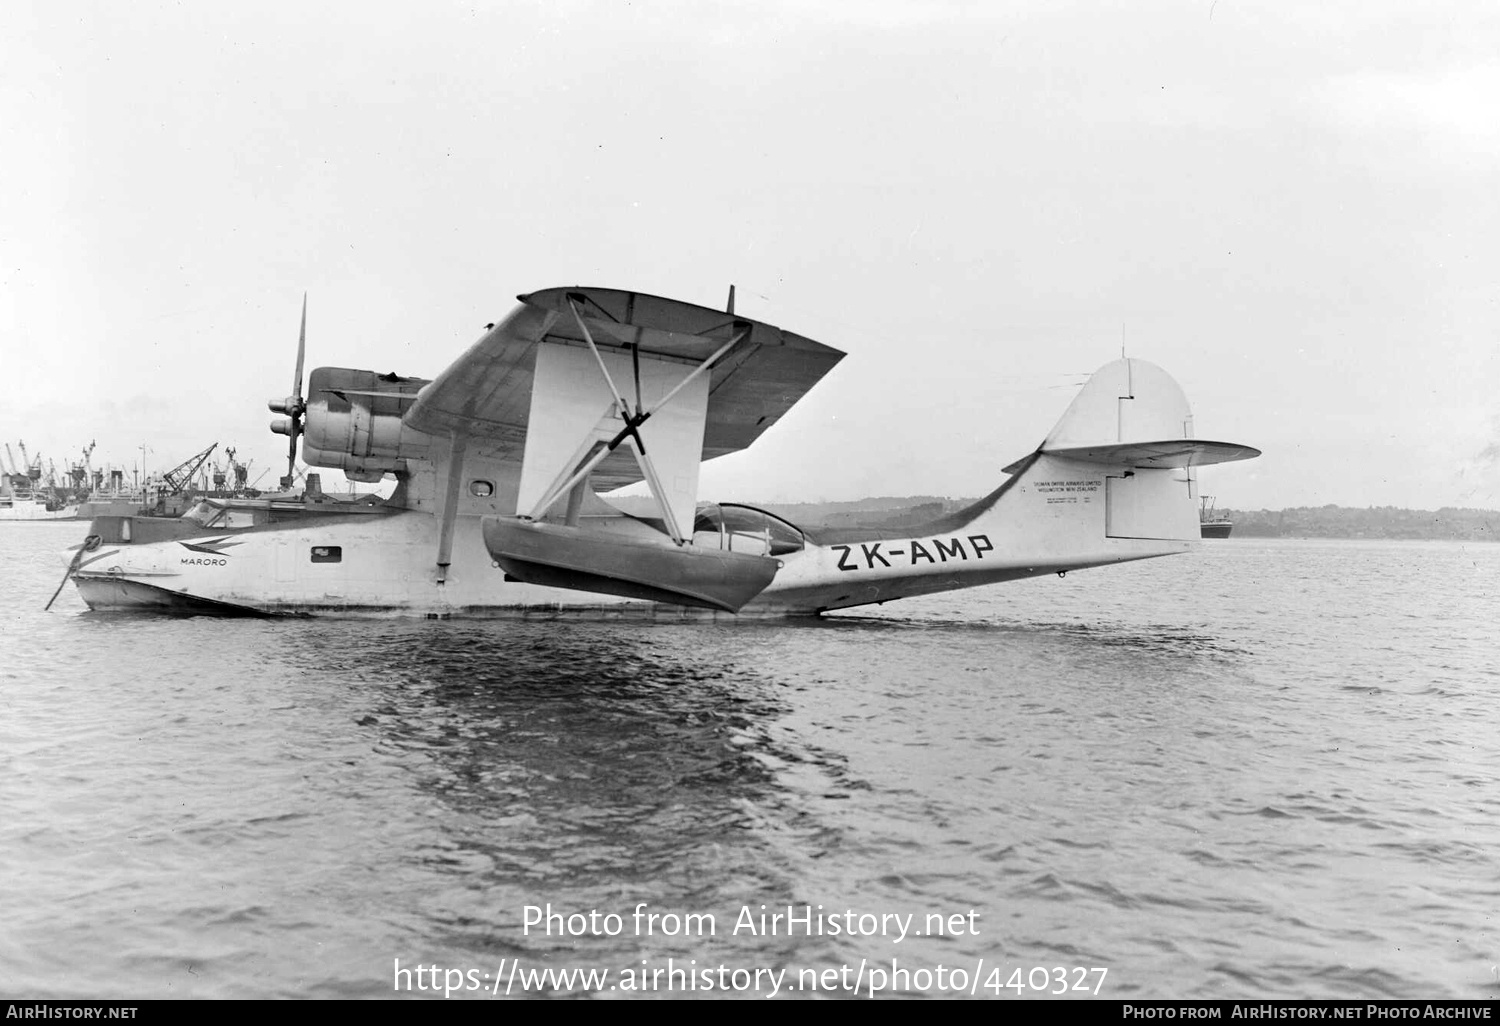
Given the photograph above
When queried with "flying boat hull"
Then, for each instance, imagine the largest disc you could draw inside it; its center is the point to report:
(381, 566)
(502, 459)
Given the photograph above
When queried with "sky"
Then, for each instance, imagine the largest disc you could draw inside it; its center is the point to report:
(1293, 208)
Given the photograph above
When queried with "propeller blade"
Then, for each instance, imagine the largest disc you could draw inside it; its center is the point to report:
(301, 350)
(295, 403)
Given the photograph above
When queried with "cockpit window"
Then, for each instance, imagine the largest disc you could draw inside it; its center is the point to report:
(745, 529)
(204, 514)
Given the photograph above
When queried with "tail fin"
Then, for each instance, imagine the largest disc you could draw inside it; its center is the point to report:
(1133, 421)
(1132, 414)
(1111, 483)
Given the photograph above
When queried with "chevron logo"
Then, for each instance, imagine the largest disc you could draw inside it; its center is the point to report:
(213, 547)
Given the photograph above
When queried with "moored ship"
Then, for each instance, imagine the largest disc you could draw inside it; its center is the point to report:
(26, 495)
(34, 507)
(1213, 523)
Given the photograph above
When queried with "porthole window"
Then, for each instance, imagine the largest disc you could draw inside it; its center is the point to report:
(481, 489)
(328, 554)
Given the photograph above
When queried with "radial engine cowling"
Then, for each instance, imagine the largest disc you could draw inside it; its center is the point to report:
(353, 422)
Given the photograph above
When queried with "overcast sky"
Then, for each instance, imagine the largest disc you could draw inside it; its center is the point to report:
(1291, 207)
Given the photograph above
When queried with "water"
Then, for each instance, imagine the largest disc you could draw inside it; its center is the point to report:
(1266, 770)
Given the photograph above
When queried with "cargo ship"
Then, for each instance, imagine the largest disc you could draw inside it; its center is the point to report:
(1213, 523)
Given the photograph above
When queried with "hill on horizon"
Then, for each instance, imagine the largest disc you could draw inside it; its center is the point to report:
(1329, 521)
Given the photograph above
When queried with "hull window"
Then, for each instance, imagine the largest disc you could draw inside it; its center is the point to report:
(328, 554)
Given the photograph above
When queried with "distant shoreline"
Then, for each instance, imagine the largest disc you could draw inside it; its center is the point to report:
(1446, 524)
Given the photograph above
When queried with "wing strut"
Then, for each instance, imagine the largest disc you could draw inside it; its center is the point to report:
(459, 445)
(630, 432)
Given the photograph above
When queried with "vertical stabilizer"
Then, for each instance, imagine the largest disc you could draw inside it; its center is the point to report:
(1132, 424)
(1128, 400)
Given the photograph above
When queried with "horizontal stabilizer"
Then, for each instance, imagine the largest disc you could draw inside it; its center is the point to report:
(1132, 414)
(1176, 452)
(580, 559)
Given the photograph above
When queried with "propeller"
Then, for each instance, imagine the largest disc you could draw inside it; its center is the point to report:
(293, 405)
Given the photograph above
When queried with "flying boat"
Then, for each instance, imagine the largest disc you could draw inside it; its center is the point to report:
(505, 463)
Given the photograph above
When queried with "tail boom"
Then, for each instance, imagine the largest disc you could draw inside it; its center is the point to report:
(1053, 516)
(1113, 482)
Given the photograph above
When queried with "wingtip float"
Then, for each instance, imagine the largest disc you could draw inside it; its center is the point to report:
(500, 462)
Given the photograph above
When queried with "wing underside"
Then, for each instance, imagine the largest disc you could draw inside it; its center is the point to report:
(487, 394)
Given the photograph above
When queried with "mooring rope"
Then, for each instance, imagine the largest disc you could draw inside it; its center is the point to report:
(90, 543)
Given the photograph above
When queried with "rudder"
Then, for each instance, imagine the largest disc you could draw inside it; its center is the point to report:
(1133, 418)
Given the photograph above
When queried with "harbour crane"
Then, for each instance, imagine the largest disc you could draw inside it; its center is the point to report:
(180, 477)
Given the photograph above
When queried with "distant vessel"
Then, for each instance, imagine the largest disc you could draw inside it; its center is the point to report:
(1213, 523)
(172, 492)
(31, 489)
(33, 507)
(25, 496)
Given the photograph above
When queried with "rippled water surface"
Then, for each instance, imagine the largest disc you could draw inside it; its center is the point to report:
(1268, 769)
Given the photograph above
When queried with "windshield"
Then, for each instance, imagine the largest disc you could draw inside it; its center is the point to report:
(745, 529)
(204, 514)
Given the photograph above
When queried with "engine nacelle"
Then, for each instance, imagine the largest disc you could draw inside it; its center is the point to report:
(353, 423)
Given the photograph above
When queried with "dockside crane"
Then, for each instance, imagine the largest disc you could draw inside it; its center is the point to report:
(180, 477)
(33, 472)
(11, 478)
(78, 473)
